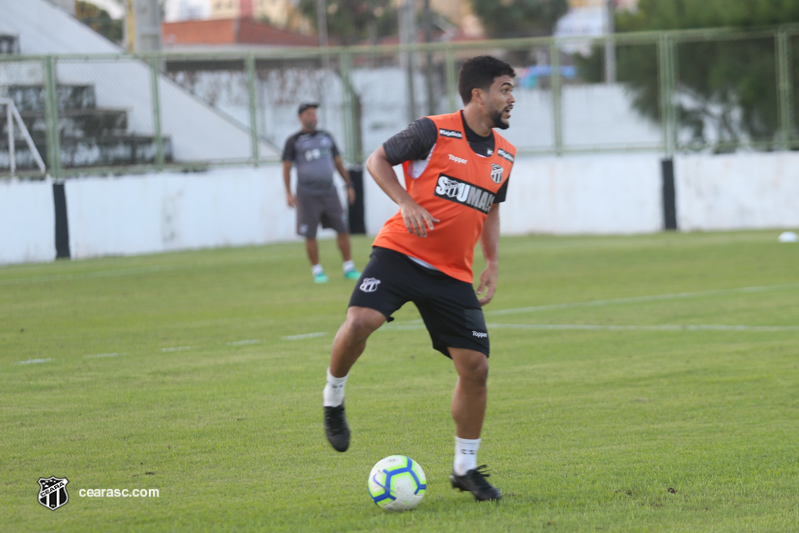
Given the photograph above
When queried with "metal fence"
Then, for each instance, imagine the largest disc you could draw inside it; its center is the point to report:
(704, 90)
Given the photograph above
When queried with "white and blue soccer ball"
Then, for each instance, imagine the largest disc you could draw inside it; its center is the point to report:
(397, 483)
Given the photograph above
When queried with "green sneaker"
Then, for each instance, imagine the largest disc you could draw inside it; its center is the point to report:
(352, 274)
(320, 278)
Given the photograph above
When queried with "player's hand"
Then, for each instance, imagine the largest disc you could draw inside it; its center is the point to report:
(291, 200)
(351, 195)
(417, 219)
(488, 284)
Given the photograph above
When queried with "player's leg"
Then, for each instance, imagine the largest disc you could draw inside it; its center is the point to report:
(351, 337)
(348, 346)
(468, 411)
(471, 392)
(312, 249)
(309, 212)
(454, 318)
(334, 216)
(379, 293)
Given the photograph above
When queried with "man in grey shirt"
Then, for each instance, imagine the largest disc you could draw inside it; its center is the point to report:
(316, 156)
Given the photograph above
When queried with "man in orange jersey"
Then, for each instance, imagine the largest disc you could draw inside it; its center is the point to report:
(456, 172)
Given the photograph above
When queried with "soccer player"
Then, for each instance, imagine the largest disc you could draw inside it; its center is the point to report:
(316, 155)
(456, 175)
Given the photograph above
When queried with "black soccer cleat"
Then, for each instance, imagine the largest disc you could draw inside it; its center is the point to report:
(336, 428)
(474, 481)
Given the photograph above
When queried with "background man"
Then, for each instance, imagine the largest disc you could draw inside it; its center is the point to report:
(456, 174)
(316, 155)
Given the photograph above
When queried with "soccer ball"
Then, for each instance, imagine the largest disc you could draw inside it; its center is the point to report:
(397, 483)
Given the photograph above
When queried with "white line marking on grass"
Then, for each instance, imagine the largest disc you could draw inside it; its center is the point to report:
(663, 327)
(177, 349)
(86, 275)
(101, 355)
(610, 327)
(243, 343)
(32, 361)
(304, 336)
(653, 298)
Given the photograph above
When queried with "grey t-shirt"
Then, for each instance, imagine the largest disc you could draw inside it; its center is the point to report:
(313, 154)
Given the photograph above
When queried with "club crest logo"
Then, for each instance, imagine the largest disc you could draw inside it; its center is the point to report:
(370, 285)
(53, 492)
(496, 172)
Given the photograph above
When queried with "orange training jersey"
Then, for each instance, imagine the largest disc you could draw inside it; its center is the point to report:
(457, 187)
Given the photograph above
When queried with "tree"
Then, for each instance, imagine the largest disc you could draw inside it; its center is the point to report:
(519, 18)
(99, 20)
(352, 21)
(725, 90)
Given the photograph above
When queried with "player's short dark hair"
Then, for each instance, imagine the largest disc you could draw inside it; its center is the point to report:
(479, 73)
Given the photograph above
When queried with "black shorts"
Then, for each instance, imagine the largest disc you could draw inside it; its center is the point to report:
(449, 307)
(313, 210)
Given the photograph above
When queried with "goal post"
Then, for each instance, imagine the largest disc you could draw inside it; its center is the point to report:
(13, 117)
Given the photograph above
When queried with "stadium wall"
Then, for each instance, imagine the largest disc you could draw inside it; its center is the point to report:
(597, 194)
(742, 191)
(27, 222)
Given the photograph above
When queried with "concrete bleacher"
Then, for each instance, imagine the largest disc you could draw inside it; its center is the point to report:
(90, 136)
(105, 107)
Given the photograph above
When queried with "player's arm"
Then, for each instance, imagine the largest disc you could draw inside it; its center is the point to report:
(417, 218)
(489, 242)
(346, 177)
(413, 143)
(287, 182)
(288, 156)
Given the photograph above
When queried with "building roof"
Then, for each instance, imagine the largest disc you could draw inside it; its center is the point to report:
(226, 32)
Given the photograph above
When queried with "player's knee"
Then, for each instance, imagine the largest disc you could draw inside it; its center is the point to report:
(361, 322)
(475, 369)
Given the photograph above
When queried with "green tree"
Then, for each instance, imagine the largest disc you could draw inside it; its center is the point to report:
(519, 18)
(726, 90)
(99, 20)
(352, 21)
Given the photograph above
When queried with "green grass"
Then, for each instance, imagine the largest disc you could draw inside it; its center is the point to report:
(601, 417)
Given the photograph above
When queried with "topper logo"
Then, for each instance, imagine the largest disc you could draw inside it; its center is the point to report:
(450, 133)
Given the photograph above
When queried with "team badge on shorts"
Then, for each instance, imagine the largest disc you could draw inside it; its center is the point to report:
(496, 172)
(369, 284)
(53, 492)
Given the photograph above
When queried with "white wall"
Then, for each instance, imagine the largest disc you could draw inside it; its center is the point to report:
(599, 194)
(578, 194)
(176, 211)
(739, 191)
(27, 222)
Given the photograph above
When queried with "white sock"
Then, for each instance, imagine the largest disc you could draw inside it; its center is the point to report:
(317, 269)
(465, 455)
(348, 265)
(334, 390)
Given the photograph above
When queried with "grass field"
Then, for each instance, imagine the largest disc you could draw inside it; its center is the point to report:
(643, 383)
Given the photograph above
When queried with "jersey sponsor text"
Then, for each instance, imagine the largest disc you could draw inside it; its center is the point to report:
(506, 155)
(464, 193)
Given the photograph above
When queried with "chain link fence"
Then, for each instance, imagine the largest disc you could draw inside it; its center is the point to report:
(709, 91)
